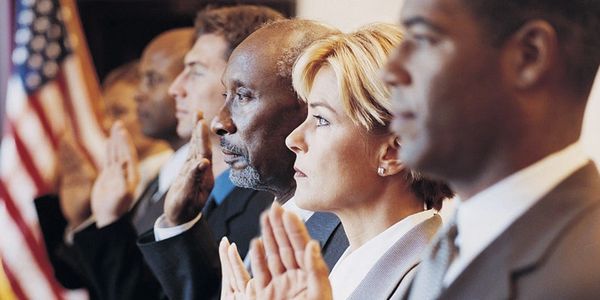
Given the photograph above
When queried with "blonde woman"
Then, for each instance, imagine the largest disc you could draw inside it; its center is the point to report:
(346, 163)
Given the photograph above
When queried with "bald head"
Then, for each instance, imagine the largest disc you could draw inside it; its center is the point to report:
(261, 108)
(161, 61)
(281, 42)
(169, 47)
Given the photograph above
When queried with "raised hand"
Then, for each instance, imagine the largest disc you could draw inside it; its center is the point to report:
(76, 176)
(189, 192)
(113, 191)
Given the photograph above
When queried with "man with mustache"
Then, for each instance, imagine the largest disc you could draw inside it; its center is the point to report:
(230, 211)
(260, 110)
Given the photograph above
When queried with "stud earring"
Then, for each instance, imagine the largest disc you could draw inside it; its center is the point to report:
(381, 171)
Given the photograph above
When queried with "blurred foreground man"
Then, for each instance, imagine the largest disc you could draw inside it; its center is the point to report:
(490, 96)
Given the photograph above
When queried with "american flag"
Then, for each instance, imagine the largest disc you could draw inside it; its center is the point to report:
(52, 88)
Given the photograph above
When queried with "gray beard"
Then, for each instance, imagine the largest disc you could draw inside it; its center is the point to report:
(247, 178)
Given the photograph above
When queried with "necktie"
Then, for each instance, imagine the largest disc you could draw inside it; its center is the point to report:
(428, 283)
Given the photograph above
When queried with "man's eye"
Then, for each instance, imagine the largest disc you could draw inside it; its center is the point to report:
(197, 71)
(321, 121)
(423, 39)
(243, 96)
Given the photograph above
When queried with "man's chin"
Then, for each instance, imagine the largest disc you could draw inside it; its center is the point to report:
(245, 177)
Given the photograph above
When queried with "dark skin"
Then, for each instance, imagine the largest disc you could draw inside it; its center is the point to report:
(471, 113)
(260, 110)
(160, 64)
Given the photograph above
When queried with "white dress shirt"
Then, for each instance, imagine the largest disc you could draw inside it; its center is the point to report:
(482, 218)
(353, 266)
(162, 231)
(171, 168)
(291, 206)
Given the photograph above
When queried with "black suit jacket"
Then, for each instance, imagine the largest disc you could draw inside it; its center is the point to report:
(188, 265)
(64, 258)
(551, 252)
(118, 269)
(71, 262)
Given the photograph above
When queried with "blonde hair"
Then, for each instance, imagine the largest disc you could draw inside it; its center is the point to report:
(356, 59)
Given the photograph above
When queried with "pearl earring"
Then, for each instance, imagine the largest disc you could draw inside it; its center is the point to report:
(381, 171)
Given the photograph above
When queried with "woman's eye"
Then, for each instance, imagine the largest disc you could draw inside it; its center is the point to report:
(321, 121)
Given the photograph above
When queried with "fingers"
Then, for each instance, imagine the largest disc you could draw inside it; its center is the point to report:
(297, 234)
(204, 147)
(112, 142)
(316, 272)
(286, 252)
(239, 270)
(258, 262)
(226, 282)
(124, 154)
(271, 249)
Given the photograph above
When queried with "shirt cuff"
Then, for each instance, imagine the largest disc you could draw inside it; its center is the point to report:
(162, 231)
(71, 231)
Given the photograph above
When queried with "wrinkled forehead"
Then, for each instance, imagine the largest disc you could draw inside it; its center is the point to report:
(252, 66)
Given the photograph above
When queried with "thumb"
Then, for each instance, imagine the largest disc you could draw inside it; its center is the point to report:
(318, 286)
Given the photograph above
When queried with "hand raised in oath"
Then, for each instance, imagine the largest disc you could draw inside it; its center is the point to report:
(76, 176)
(113, 191)
(189, 192)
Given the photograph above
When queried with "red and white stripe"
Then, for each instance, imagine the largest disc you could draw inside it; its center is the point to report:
(33, 125)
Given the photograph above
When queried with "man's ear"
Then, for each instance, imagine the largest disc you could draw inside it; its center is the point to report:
(389, 164)
(531, 51)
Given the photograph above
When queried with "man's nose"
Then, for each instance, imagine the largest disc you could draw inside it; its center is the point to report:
(176, 88)
(222, 123)
(395, 73)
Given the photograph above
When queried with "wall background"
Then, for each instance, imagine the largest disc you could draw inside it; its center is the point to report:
(350, 14)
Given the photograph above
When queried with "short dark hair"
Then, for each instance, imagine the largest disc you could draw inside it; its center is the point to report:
(234, 23)
(577, 23)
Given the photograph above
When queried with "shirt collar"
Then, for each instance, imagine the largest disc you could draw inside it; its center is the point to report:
(223, 186)
(291, 206)
(171, 168)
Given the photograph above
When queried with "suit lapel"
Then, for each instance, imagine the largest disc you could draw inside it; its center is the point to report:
(328, 230)
(517, 251)
(384, 278)
(146, 210)
(321, 226)
(233, 205)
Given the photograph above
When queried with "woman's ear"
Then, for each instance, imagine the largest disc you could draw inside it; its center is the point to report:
(388, 161)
